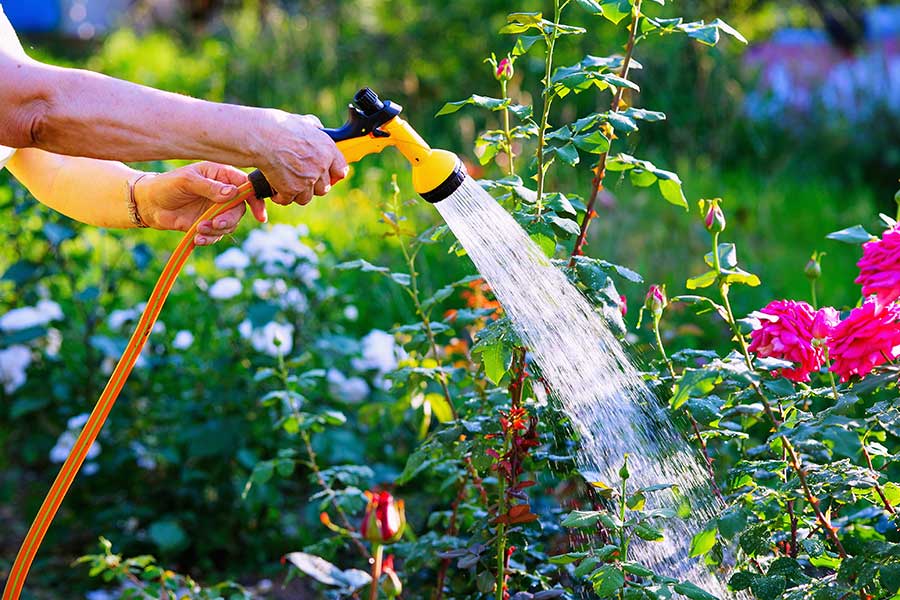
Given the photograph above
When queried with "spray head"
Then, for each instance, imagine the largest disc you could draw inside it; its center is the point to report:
(372, 125)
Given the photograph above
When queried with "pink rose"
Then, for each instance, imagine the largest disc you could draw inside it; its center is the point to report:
(868, 337)
(787, 330)
(879, 268)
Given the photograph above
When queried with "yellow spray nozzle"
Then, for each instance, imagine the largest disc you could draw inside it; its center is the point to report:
(372, 126)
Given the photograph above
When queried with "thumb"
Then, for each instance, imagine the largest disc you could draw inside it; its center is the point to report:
(215, 191)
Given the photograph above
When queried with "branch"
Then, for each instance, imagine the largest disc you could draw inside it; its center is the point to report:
(600, 167)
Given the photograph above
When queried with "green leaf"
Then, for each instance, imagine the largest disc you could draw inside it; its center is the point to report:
(768, 588)
(702, 281)
(693, 592)
(727, 256)
(703, 542)
(594, 142)
(889, 576)
(565, 559)
(732, 522)
(497, 359)
(740, 276)
(615, 10)
(524, 44)
(741, 580)
(607, 580)
(636, 569)
(755, 539)
(545, 243)
(474, 99)
(851, 235)
(693, 382)
(646, 532)
(580, 519)
(672, 191)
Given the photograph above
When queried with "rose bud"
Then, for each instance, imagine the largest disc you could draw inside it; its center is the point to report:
(384, 519)
(813, 269)
(715, 218)
(504, 70)
(656, 300)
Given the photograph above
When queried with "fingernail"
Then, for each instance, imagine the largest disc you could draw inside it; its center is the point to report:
(346, 171)
(200, 240)
(228, 189)
(327, 188)
(221, 223)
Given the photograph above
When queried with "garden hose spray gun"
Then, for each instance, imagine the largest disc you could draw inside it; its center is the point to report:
(373, 126)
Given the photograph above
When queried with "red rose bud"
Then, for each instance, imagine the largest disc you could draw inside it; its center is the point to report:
(656, 301)
(715, 218)
(391, 585)
(384, 520)
(504, 70)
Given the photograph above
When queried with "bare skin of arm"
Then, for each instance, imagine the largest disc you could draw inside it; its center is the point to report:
(96, 191)
(80, 113)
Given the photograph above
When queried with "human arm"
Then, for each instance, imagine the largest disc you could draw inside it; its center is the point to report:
(96, 192)
(80, 113)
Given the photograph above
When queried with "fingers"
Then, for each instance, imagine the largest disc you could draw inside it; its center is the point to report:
(338, 170)
(222, 224)
(258, 209)
(220, 172)
(205, 240)
(205, 187)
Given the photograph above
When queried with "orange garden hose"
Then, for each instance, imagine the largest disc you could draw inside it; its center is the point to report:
(88, 435)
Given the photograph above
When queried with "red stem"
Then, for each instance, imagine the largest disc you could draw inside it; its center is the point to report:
(600, 168)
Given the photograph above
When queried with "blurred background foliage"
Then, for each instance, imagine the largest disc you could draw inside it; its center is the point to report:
(784, 189)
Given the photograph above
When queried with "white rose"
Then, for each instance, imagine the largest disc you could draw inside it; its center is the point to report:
(233, 258)
(183, 340)
(225, 288)
(14, 363)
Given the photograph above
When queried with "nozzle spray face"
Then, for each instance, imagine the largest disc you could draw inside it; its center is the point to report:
(441, 166)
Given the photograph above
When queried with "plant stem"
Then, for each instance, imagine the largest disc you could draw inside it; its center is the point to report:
(312, 460)
(600, 167)
(884, 500)
(506, 130)
(451, 531)
(547, 100)
(792, 552)
(694, 424)
(812, 293)
(813, 501)
(413, 291)
(736, 330)
(378, 551)
(516, 388)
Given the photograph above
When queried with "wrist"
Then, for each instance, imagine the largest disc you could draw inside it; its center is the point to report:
(140, 209)
(265, 136)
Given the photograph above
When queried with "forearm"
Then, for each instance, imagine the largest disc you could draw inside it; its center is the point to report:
(87, 190)
(79, 113)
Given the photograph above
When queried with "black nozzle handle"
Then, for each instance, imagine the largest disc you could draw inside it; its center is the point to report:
(260, 184)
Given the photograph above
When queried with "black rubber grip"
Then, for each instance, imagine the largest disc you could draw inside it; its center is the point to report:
(260, 184)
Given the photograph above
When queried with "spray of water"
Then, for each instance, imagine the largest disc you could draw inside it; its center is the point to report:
(590, 375)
